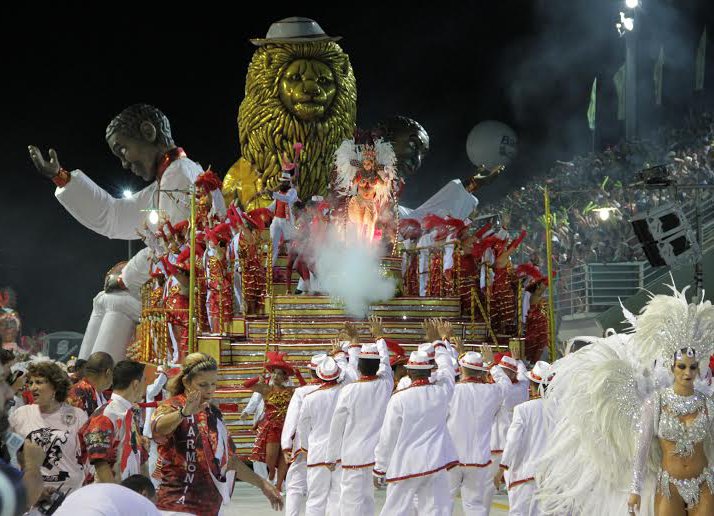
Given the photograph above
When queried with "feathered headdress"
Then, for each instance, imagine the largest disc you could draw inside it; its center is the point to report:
(410, 229)
(348, 163)
(668, 324)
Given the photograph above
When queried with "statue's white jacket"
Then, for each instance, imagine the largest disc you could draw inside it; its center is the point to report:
(120, 218)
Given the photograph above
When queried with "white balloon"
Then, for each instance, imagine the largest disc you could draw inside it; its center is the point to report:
(491, 143)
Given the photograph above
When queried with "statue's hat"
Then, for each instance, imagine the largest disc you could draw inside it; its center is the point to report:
(295, 29)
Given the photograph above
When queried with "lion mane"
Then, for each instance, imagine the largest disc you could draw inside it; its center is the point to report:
(268, 130)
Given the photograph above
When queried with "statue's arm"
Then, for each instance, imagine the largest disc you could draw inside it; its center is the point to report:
(95, 209)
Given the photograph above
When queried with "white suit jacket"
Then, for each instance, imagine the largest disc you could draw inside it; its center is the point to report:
(527, 440)
(119, 218)
(514, 394)
(414, 440)
(289, 440)
(358, 416)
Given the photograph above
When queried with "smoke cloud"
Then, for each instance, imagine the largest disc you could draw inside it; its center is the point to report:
(349, 270)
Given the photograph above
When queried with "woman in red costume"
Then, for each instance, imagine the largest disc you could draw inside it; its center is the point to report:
(435, 286)
(503, 291)
(197, 462)
(276, 395)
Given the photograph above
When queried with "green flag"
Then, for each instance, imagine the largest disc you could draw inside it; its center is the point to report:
(619, 80)
(592, 108)
(701, 60)
(658, 68)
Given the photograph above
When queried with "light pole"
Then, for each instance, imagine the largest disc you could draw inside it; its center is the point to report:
(128, 195)
(626, 28)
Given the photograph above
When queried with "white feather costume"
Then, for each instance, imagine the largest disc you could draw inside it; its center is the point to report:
(598, 393)
(348, 160)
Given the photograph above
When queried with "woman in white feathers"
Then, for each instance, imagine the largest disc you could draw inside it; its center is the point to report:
(634, 432)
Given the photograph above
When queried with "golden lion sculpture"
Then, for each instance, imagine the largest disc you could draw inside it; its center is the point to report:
(298, 89)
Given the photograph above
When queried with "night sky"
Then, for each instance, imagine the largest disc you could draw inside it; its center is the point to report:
(69, 69)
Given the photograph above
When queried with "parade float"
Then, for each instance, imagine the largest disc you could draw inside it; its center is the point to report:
(258, 268)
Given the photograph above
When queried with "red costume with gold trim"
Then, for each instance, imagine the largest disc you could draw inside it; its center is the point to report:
(503, 301)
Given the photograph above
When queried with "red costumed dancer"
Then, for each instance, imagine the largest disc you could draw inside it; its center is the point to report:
(276, 396)
(537, 317)
(410, 231)
(219, 291)
(254, 274)
(503, 291)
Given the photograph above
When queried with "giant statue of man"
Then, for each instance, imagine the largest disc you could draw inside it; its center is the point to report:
(140, 137)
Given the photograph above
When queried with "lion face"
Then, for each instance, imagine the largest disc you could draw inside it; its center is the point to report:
(307, 89)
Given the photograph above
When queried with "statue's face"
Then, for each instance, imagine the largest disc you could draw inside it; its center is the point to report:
(138, 156)
(410, 150)
(307, 89)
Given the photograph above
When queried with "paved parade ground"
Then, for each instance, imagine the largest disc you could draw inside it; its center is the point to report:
(248, 501)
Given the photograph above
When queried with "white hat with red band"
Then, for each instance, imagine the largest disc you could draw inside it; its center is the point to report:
(427, 348)
(369, 351)
(316, 359)
(473, 360)
(328, 369)
(509, 363)
(540, 372)
(419, 360)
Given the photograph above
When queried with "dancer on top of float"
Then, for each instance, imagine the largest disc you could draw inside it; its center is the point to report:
(140, 137)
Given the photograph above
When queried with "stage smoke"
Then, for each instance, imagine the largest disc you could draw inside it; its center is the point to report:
(349, 270)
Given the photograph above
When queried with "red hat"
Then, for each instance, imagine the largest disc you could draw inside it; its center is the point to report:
(456, 226)
(397, 354)
(410, 229)
(276, 360)
(260, 217)
(492, 242)
(209, 181)
(234, 218)
(481, 232)
(220, 233)
(179, 227)
(168, 266)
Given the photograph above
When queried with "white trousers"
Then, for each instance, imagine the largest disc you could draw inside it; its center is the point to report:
(296, 486)
(323, 491)
(432, 492)
(111, 325)
(280, 228)
(357, 495)
(521, 501)
(474, 484)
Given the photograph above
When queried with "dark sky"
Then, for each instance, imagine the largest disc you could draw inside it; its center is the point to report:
(69, 69)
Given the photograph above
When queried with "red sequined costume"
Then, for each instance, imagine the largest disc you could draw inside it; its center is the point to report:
(503, 301)
(270, 428)
(536, 331)
(220, 294)
(411, 277)
(436, 274)
(468, 280)
(188, 458)
(253, 276)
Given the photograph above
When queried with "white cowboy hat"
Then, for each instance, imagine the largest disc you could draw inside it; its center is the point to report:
(509, 363)
(473, 360)
(540, 372)
(369, 351)
(419, 360)
(295, 29)
(328, 369)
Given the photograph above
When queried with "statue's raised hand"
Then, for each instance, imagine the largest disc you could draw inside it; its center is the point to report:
(50, 168)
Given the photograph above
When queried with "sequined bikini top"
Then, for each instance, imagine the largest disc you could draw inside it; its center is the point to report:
(671, 428)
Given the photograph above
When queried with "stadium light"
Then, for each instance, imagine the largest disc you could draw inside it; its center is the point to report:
(626, 22)
(154, 217)
(632, 4)
(127, 193)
